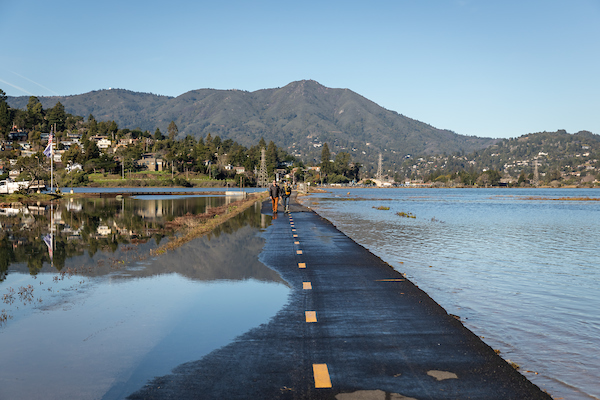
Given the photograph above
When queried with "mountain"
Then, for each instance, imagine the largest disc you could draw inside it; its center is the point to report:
(299, 117)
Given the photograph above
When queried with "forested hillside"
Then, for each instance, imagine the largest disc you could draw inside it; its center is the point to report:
(299, 117)
(561, 158)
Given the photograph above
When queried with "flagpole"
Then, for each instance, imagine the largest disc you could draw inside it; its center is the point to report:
(51, 163)
(52, 232)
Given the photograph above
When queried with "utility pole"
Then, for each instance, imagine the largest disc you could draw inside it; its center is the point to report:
(263, 179)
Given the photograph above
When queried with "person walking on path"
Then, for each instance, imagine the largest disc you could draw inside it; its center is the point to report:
(274, 193)
(285, 196)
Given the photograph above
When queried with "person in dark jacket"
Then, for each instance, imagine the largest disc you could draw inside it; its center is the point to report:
(274, 193)
(286, 192)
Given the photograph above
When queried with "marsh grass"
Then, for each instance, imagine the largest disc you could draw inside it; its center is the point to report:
(193, 226)
(381, 208)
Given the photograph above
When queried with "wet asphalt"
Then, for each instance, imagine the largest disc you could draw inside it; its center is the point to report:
(373, 335)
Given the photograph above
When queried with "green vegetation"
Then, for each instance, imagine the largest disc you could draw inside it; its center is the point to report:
(179, 161)
(561, 158)
(296, 117)
(302, 121)
(405, 214)
(381, 208)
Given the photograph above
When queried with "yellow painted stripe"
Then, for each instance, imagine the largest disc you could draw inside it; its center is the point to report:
(321, 376)
(301, 265)
(311, 316)
(390, 280)
(295, 236)
(298, 251)
(296, 242)
(293, 230)
(306, 285)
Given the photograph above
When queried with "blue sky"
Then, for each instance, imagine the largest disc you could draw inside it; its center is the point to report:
(482, 68)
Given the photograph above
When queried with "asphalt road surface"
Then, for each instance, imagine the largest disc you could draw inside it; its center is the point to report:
(354, 329)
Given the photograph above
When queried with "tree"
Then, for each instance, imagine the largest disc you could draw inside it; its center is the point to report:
(272, 158)
(92, 125)
(5, 121)
(172, 130)
(91, 150)
(35, 112)
(158, 134)
(341, 163)
(58, 116)
(325, 157)
(73, 155)
(32, 168)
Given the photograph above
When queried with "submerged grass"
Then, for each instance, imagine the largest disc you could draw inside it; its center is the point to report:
(405, 214)
(381, 208)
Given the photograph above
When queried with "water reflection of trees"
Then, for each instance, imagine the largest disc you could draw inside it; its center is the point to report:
(92, 225)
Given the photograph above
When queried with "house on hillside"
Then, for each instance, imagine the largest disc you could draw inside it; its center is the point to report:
(19, 136)
(74, 137)
(104, 144)
(151, 162)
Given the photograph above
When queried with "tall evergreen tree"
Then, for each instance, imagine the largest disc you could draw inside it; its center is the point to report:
(325, 157)
(35, 112)
(58, 116)
(172, 130)
(5, 120)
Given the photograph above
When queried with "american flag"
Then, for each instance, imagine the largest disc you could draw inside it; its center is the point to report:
(48, 241)
(48, 150)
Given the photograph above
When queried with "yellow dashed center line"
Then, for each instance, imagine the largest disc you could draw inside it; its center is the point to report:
(311, 316)
(296, 242)
(390, 280)
(293, 230)
(295, 236)
(301, 265)
(321, 376)
(298, 251)
(306, 285)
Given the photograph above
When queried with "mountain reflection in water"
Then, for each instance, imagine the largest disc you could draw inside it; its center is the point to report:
(107, 316)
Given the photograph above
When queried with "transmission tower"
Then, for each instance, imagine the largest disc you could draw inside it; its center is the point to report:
(536, 174)
(263, 179)
(380, 169)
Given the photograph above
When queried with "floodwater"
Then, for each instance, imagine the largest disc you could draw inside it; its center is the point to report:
(520, 267)
(103, 315)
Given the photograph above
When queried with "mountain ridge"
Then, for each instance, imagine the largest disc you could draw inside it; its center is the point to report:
(298, 117)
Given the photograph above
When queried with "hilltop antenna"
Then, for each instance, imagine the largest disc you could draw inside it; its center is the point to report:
(263, 180)
(380, 169)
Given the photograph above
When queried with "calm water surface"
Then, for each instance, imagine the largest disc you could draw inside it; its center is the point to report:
(521, 267)
(102, 316)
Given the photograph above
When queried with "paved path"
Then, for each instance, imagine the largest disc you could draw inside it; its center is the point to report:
(354, 328)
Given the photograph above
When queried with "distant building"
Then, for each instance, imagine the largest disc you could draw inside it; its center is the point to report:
(151, 162)
(104, 143)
